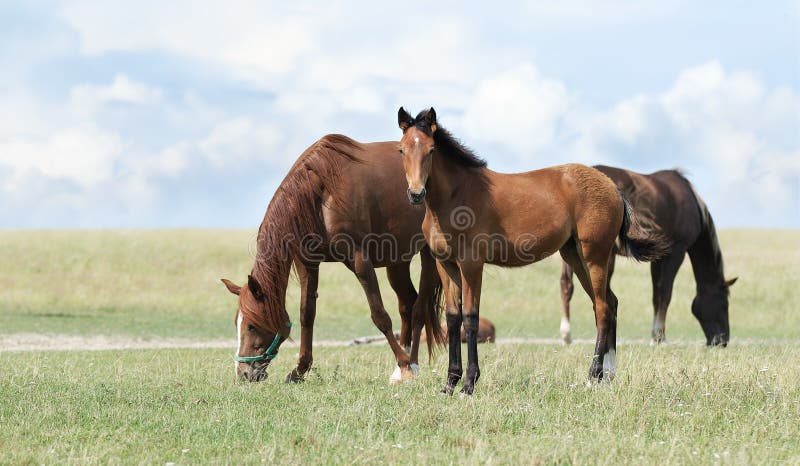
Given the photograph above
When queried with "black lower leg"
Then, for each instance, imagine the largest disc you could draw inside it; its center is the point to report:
(596, 369)
(454, 369)
(473, 370)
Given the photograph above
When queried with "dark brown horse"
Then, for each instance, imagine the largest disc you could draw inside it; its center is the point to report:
(342, 201)
(669, 205)
(475, 216)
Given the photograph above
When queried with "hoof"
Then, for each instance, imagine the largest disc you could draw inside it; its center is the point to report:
(566, 334)
(396, 376)
(294, 377)
(404, 375)
(465, 392)
(447, 390)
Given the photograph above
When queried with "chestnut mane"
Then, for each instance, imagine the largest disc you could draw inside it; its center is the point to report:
(291, 216)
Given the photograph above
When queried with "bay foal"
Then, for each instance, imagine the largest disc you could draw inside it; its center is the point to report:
(475, 216)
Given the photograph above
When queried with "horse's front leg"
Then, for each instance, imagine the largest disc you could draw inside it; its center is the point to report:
(309, 279)
(451, 280)
(471, 277)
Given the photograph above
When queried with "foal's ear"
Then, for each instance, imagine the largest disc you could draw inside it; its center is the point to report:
(404, 119)
(255, 288)
(731, 282)
(232, 287)
(429, 117)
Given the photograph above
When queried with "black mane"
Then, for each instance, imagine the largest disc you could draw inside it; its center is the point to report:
(448, 145)
(456, 150)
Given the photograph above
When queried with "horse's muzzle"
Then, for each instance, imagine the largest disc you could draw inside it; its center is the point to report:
(416, 198)
(253, 373)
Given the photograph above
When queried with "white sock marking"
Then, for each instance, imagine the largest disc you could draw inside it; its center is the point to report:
(239, 319)
(566, 335)
(610, 365)
(396, 376)
(657, 330)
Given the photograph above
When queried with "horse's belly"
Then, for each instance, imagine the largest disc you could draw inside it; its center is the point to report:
(524, 249)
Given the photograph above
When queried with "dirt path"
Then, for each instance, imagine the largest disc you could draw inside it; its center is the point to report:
(48, 342)
(16, 342)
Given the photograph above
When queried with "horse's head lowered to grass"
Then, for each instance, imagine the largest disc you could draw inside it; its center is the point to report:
(258, 339)
(710, 307)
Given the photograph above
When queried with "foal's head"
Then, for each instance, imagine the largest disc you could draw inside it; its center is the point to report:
(417, 146)
(710, 307)
(258, 339)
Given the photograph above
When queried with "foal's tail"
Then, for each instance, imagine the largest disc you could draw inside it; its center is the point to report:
(431, 296)
(636, 242)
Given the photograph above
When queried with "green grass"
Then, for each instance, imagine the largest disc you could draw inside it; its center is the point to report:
(680, 403)
(166, 284)
(668, 405)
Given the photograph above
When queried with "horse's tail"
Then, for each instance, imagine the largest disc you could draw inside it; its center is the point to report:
(431, 297)
(636, 242)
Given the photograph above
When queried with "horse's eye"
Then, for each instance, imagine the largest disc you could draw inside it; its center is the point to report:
(250, 328)
(400, 150)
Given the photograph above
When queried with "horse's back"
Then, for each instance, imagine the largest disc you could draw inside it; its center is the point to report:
(370, 204)
(559, 202)
(664, 200)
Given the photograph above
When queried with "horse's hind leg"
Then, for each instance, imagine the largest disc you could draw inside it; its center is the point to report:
(309, 278)
(365, 272)
(591, 264)
(663, 274)
(610, 359)
(426, 306)
(399, 277)
(567, 288)
(597, 263)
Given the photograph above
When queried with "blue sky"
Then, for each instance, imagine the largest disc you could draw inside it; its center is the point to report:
(188, 114)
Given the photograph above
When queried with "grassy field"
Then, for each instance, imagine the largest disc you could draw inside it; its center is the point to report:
(154, 284)
(676, 403)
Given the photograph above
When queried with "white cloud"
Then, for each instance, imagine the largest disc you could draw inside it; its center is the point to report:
(253, 38)
(738, 137)
(121, 90)
(519, 108)
(84, 155)
(239, 140)
(346, 67)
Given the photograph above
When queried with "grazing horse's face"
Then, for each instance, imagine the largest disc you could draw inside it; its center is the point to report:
(416, 148)
(711, 308)
(251, 338)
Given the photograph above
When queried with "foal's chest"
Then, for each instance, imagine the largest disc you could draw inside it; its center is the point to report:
(436, 238)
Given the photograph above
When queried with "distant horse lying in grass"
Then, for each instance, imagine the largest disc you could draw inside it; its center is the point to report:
(668, 204)
(475, 216)
(342, 201)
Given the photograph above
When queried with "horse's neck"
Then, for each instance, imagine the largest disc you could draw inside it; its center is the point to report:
(707, 263)
(273, 265)
(445, 180)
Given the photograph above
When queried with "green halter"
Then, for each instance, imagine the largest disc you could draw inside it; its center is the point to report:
(269, 354)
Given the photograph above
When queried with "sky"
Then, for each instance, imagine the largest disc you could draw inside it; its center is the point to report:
(153, 114)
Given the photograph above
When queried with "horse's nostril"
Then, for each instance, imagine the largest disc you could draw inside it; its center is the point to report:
(416, 198)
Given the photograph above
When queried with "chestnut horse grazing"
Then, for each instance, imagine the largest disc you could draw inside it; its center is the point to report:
(668, 204)
(474, 216)
(342, 201)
